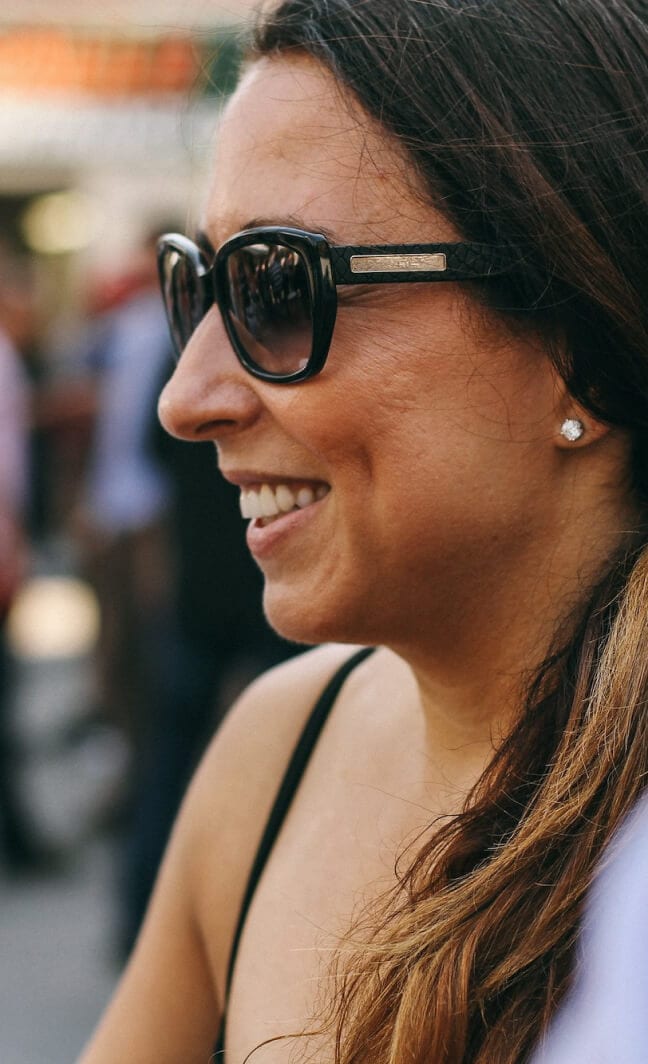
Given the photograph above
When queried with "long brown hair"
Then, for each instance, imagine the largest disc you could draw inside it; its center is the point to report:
(527, 122)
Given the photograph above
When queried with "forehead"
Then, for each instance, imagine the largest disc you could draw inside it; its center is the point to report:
(292, 148)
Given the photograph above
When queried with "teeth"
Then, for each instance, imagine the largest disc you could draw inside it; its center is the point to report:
(269, 507)
(267, 501)
(250, 504)
(285, 498)
(305, 497)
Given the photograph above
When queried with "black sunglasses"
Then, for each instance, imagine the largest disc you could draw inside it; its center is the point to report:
(275, 288)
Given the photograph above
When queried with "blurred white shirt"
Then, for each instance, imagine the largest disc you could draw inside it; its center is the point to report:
(127, 489)
(605, 1019)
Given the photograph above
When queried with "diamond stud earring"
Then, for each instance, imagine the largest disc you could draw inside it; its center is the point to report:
(572, 429)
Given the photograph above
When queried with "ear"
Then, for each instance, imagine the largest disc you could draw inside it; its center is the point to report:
(575, 426)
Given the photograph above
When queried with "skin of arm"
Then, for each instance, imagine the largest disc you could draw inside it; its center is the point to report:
(168, 1005)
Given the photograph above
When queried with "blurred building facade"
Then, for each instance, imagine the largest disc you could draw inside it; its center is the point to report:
(107, 113)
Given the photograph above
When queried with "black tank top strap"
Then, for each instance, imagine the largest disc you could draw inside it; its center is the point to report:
(289, 784)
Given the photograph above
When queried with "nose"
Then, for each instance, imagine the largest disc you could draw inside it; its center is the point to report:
(210, 396)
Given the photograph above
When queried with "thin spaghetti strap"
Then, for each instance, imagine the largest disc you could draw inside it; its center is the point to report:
(282, 802)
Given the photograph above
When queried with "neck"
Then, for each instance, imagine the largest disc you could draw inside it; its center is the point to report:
(473, 672)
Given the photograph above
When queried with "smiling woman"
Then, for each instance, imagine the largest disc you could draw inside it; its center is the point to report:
(414, 326)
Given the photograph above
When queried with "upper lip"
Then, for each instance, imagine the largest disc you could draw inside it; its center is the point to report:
(245, 478)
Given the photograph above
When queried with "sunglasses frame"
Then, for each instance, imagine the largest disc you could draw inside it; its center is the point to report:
(327, 266)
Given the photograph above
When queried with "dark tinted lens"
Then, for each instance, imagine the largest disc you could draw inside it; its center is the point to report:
(270, 306)
(183, 295)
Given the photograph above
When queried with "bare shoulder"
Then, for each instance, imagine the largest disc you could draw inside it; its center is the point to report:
(257, 735)
(268, 710)
(236, 784)
(175, 979)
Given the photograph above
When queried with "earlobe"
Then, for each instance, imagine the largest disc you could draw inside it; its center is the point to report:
(572, 429)
(575, 425)
(579, 429)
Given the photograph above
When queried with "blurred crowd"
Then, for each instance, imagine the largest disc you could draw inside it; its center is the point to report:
(150, 526)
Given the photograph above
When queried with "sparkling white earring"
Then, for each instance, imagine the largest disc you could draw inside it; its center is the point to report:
(572, 429)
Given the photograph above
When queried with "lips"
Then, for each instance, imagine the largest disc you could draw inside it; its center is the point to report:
(267, 501)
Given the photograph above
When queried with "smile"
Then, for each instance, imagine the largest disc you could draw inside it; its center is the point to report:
(266, 502)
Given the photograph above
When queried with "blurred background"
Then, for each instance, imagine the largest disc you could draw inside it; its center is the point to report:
(129, 610)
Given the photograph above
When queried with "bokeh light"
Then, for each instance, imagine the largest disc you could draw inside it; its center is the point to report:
(61, 222)
(53, 617)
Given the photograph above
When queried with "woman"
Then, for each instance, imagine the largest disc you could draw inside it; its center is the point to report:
(453, 472)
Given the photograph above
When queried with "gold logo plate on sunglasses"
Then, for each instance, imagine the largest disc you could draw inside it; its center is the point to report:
(398, 263)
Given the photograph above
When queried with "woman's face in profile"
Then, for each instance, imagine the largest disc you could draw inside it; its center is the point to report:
(432, 426)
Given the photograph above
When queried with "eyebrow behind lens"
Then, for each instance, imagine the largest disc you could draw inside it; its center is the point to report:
(289, 221)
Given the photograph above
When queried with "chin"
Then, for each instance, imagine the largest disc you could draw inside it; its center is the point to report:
(300, 625)
(309, 620)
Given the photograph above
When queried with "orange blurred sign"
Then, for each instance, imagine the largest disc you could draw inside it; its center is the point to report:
(37, 61)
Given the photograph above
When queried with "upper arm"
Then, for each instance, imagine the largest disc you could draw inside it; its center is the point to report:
(165, 1010)
(168, 1006)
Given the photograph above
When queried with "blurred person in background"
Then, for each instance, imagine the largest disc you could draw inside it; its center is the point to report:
(18, 845)
(182, 627)
(122, 522)
(126, 497)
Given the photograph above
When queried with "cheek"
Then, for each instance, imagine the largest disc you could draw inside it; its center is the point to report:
(508, 399)
(365, 402)
(438, 424)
